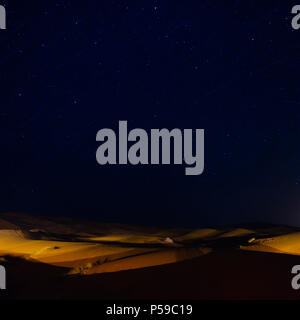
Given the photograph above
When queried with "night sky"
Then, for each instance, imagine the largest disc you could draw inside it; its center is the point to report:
(71, 68)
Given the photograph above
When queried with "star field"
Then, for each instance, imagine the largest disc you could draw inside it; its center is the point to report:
(70, 68)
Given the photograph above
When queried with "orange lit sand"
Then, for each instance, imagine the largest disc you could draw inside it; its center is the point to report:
(288, 243)
(113, 249)
(90, 248)
(61, 258)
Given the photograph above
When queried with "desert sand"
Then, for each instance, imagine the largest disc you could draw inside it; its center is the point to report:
(59, 258)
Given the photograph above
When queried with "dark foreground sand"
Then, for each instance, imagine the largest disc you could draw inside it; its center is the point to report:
(223, 275)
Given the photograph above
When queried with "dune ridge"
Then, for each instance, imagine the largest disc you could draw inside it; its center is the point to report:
(87, 248)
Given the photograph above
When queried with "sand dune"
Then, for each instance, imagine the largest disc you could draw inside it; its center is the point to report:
(128, 238)
(288, 243)
(14, 242)
(149, 259)
(78, 253)
(238, 232)
(88, 250)
(97, 257)
(198, 234)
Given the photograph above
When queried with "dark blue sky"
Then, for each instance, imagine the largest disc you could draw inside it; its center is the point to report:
(70, 68)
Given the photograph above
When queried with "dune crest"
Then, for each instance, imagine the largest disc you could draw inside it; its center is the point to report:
(288, 243)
